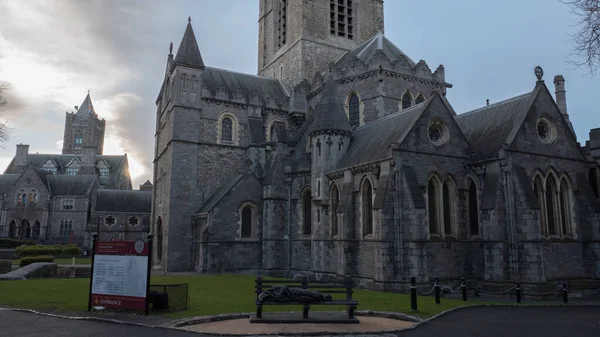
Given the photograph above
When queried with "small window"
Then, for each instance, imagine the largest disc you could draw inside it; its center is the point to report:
(51, 170)
(354, 110)
(227, 130)
(72, 171)
(406, 101)
(335, 197)
(420, 99)
(473, 208)
(78, 139)
(104, 172)
(133, 221)
(110, 220)
(247, 221)
(66, 227)
(68, 204)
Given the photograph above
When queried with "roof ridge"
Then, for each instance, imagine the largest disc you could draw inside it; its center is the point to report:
(397, 113)
(508, 100)
(240, 73)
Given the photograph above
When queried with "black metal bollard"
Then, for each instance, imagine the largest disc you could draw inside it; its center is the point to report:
(436, 287)
(565, 293)
(464, 289)
(518, 292)
(413, 294)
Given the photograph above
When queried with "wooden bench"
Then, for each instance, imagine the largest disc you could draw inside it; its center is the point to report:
(326, 287)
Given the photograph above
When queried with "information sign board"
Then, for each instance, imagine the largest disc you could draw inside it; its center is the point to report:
(120, 274)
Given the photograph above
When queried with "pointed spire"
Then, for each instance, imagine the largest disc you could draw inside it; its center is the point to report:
(86, 108)
(329, 115)
(188, 53)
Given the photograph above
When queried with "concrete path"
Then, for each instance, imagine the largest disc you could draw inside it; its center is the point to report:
(488, 322)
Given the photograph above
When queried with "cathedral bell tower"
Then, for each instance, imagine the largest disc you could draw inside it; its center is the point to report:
(297, 38)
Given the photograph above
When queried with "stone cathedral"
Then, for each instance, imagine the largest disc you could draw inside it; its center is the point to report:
(344, 157)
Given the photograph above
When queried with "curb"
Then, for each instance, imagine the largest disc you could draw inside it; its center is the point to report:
(178, 324)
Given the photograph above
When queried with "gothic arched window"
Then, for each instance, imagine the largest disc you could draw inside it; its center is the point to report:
(247, 217)
(66, 227)
(565, 208)
(420, 99)
(433, 205)
(448, 209)
(539, 193)
(227, 130)
(36, 230)
(78, 139)
(367, 207)
(354, 110)
(473, 207)
(26, 228)
(406, 101)
(306, 212)
(335, 199)
(551, 205)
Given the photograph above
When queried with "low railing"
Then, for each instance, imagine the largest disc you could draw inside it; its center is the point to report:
(512, 289)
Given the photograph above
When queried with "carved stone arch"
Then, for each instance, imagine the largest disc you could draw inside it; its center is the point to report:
(421, 98)
(223, 135)
(12, 229)
(473, 204)
(551, 172)
(539, 174)
(271, 126)
(566, 206)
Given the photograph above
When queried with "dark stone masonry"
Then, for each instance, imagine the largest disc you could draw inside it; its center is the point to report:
(344, 157)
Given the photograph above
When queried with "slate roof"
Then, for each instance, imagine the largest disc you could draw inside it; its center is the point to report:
(61, 160)
(86, 108)
(219, 193)
(231, 81)
(109, 200)
(188, 53)
(70, 185)
(365, 51)
(370, 142)
(329, 114)
(7, 181)
(488, 128)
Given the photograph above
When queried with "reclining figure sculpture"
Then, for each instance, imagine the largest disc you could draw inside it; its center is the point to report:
(293, 294)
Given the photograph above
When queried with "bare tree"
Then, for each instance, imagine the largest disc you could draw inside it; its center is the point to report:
(4, 127)
(586, 42)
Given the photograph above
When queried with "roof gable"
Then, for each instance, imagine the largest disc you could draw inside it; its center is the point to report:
(371, 142)
(417, 138)
(378, 43)
(487, 129)
(524, 137)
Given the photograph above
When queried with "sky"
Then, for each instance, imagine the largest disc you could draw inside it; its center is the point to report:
(54, 51)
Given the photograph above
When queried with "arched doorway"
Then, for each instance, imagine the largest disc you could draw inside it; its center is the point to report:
(12, 229)
(26, 229)
(36, 230)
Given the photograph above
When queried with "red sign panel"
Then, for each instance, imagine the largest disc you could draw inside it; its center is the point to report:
(120, 274)
(119, 302)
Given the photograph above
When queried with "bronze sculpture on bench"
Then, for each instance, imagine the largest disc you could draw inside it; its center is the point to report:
(298, 292)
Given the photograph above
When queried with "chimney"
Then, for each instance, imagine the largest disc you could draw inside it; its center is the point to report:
(561, 98)
(21, 156)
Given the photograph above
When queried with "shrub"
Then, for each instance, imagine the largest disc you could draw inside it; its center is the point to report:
(13, 243)
(39, 250)
(33, 259)
(70, 250)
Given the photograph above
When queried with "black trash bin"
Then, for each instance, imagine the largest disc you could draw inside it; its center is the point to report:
(160, 301)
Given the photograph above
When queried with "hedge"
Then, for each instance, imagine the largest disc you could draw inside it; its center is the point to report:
(47, 250)
(13, 243)
(33, 259)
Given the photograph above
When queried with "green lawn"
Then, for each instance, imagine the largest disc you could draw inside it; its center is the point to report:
(65, 261)
(208, 295)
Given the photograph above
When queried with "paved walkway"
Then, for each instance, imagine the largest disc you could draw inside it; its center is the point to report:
(488, 322)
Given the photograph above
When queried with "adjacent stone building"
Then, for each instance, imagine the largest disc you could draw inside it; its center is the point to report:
(66, 197)
(344, 157)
